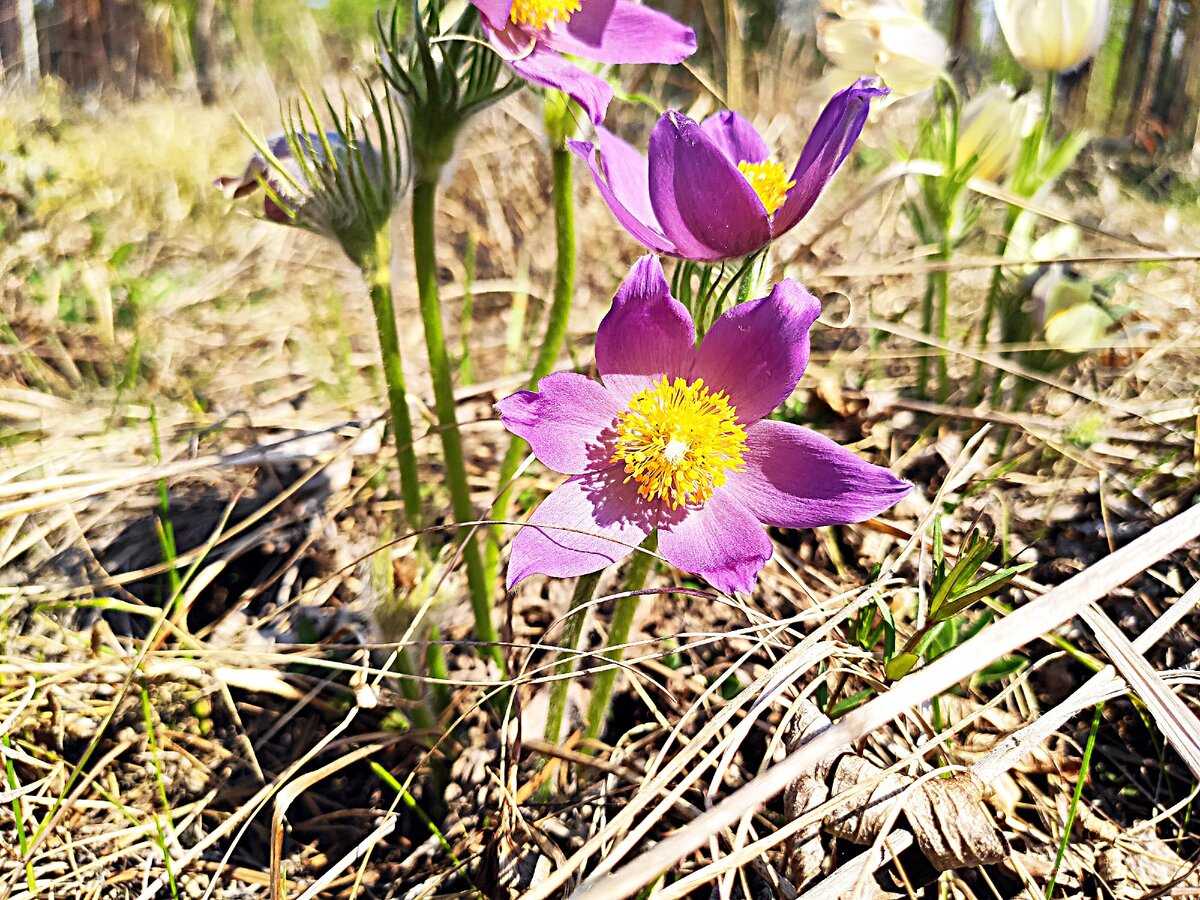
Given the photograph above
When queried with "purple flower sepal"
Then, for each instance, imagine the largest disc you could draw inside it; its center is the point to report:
(532, 36)
(708, 192)
(675, 438)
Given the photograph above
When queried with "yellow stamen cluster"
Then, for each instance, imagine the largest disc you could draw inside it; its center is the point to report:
(769, 180)
(678, 441)
(539, 14)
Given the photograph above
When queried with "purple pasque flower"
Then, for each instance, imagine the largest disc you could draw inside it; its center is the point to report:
(533, 35)
(674, 438)
(710, 191)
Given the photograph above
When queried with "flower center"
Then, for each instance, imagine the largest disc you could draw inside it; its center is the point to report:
(677, 441)
(539, 14)
(769, 180)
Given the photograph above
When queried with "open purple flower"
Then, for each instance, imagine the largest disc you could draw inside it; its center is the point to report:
(675, 438)
(710, 191)
(532, 35)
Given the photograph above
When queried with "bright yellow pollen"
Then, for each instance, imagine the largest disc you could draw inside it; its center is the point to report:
(539, 14)
(677, 442)
(769, 181)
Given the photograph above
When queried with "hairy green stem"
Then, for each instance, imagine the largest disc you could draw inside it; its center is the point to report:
(989, 309)
(424, 208)
(378, 273)
(466, 320)
(585, 590)
(618, 634)
(942, 283)
(1023, 183)
(572, 632)
(552, 342)
(926, 328)
(435, 662)
(410, 687)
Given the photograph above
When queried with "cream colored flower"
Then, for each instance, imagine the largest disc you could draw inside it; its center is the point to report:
(888, 38)
(1052, 35)
(993, 125)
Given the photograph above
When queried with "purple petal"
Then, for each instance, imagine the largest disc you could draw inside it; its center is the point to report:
(797, 478)
(721, 541)
(495, 12)
(832, 138)
(645, 335)
(757, 351)
(565, 422)
(736, 137)
(542, 66)
(705, 206)
(587, 26)
(623, 32)
(587, 523)
(623, 178)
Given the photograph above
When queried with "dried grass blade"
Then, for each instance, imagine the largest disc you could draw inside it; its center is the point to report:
(1009, 751)
(1177, 722)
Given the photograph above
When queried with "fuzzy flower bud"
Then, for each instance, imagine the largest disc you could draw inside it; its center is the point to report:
(335, 183)
(993, 125)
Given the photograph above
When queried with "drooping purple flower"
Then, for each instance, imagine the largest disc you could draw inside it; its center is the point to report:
(533, 35)
(709, 191)
(675, 438)
(259, 169)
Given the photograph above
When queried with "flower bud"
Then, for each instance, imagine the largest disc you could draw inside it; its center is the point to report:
(1052, 35)
(993, 125)
(335, 183)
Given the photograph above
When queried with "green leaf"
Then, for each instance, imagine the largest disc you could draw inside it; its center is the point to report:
(1061, 157)
(1000, 669)
(121, 255)
(847, 704)
(982, 588)
(899, 666)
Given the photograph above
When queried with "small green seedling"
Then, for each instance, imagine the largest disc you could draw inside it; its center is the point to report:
(953, 590)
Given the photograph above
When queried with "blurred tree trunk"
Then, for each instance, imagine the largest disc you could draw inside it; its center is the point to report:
(83, 59)
(30, 67)
(735, 66)
(121, 26)
(1129, 70)
(1154, 63)
(1106, 69)
(1191, 81)
(962, 30)
(1073, 89)
(10, 39)
(202, 51)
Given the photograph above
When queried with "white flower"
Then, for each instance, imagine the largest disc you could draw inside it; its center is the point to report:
(1052, 35)
(888, 38)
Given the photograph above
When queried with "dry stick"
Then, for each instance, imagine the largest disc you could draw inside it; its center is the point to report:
(1025, 625)
(288, 794)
